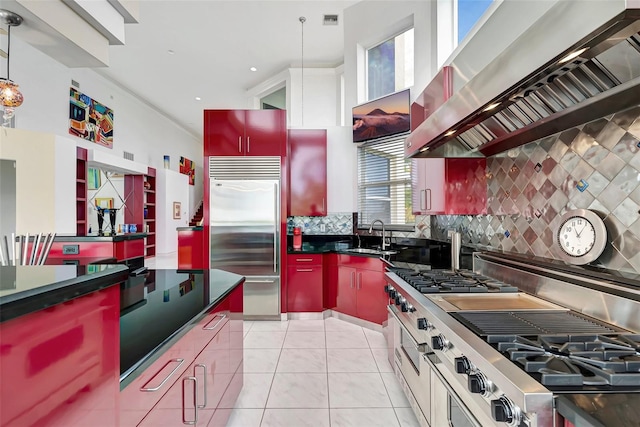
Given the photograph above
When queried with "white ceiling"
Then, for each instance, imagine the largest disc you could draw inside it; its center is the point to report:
(215, 44)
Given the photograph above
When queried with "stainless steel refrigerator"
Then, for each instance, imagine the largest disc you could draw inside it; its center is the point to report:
(244, 219)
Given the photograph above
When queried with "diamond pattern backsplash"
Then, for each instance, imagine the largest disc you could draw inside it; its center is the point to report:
(594, 166)
(333, 223)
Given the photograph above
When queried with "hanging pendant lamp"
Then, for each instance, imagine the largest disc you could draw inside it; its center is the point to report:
(10, 95)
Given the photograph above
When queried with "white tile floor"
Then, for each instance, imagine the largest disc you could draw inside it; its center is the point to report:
(312, 373)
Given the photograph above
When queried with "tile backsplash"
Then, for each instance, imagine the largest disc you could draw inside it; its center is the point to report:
(594, 166)
(333, 223)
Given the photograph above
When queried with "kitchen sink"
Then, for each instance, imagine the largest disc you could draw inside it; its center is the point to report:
(370, 251)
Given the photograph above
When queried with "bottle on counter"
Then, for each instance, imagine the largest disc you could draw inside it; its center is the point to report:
(297, 238)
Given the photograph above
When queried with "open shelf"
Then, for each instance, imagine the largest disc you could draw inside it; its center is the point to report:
(81, 191)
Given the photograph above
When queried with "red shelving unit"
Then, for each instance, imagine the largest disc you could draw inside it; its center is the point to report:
(81, 191)
(141, 207)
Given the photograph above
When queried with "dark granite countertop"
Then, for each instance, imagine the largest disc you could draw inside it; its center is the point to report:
(164, 312)
(191, 228)
(600, 410)
(29, 288)
(94, 237)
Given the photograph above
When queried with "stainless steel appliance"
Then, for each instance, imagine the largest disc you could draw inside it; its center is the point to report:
(244, 211)
(472, 357)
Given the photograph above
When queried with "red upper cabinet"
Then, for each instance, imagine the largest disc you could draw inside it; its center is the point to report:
(244, 132)
(307, 172)
(449, 186)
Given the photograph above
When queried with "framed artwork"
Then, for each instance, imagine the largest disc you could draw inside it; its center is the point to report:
(188, 167)
(94, 179)
(104, 202)
(176, 210)
(89, 119)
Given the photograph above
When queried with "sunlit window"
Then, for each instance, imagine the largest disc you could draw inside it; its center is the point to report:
(390, 65)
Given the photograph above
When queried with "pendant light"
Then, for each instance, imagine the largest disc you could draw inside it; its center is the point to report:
(302, 20)
(10, 95)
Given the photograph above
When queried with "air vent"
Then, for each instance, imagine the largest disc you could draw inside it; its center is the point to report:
(75, 84)
(127, 155)
(244, 168)
(330, 20)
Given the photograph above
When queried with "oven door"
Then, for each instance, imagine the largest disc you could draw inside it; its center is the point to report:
(447, 409)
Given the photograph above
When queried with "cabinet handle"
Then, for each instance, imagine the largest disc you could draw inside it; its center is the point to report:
(304, 259)
(210, 328)
(323, 206)
(304, 270)
(239, 144)
(353, 273)
(359, 281)
(178, 361)
(429, 199)
(204, 384)
(195, 407)
(422, 201)
(248, 144)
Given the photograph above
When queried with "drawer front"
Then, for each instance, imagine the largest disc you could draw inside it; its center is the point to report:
(304, 259)
(304, 288)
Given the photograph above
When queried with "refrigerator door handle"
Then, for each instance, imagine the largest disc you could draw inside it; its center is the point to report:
(275, 229)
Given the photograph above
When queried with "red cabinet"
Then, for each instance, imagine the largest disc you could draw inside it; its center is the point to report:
(304, 283)
(307, 172)
(357, 288)
(449, 186)
(190, 248)
(60, 366)
(244, 132)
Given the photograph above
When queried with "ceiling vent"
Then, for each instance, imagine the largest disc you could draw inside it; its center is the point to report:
(127, 155)
(330, 20)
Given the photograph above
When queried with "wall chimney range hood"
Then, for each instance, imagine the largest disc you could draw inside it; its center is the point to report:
(533, 89)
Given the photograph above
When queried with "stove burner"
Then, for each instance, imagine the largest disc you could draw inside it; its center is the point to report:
(576, 360)
(447, 281)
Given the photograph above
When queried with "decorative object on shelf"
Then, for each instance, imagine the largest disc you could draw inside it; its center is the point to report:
(10, 95)
(187, 167)
(176, 210)
(89, 119)
(167, 162)
(112, 219)
(147, 185)
(104, 202)
(581, 236)
(94, 179)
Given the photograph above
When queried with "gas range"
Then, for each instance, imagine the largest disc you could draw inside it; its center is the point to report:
(506, 354)
(448, 281)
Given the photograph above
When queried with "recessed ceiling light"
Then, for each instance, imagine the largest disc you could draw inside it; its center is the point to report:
(253, 69)
(451, 132)
(170, 52)
(492, 106)
(424, 149)
(573, 55)
(198, 98)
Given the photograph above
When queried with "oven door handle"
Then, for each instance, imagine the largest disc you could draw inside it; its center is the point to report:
(422, 348)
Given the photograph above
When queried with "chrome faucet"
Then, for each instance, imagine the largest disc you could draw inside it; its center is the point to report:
(384, 243)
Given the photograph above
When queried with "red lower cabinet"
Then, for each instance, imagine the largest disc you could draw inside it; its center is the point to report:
(60, 366)
(359, 288)
(304, 283)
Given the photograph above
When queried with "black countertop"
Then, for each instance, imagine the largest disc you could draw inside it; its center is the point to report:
(94, 237)
(30, 288)
(600, 410)
(160, 307)
(191, 228)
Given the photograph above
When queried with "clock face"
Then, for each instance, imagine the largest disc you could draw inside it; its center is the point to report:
(577, 236)
(581, 236)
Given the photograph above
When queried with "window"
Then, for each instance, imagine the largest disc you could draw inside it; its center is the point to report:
(384, 184)
(390, 66)
(469, 12)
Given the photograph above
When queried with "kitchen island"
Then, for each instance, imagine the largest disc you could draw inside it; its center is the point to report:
(59, 339)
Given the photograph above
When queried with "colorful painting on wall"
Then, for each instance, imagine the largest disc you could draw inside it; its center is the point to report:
(94, 180)
(187, 167)
(89, 119)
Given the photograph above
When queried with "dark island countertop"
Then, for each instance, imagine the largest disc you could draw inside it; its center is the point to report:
(30, 288)
(163, 313)
(600, 409)
(94, 237)
(191, 228)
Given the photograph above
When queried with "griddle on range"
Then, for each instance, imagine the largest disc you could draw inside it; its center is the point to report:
(564, 351)
(448, 281)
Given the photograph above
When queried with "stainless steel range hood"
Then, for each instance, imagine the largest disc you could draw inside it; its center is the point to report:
(533, 92)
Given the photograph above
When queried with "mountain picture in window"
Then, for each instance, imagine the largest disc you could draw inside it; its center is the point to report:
(382, 117)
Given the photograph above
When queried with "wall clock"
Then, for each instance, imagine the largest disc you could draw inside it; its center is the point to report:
(582, 236)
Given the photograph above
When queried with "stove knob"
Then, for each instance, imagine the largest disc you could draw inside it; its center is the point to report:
(397, 299)
(393, 294)
(404, 307)
(504, 410)
(478, 383)
(388, 288)
(439, 342)
(424, 324)
(410, 308)
(463, 366)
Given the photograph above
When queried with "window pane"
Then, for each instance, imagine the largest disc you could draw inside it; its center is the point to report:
(469, 12)
(390, 66)
(384, 183)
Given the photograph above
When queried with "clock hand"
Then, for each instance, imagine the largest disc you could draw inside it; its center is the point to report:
(578, 234)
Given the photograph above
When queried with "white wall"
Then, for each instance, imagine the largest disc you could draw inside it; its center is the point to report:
(171, 187)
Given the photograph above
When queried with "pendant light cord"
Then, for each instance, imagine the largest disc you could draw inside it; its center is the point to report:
(8, 48)
(302, 21)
